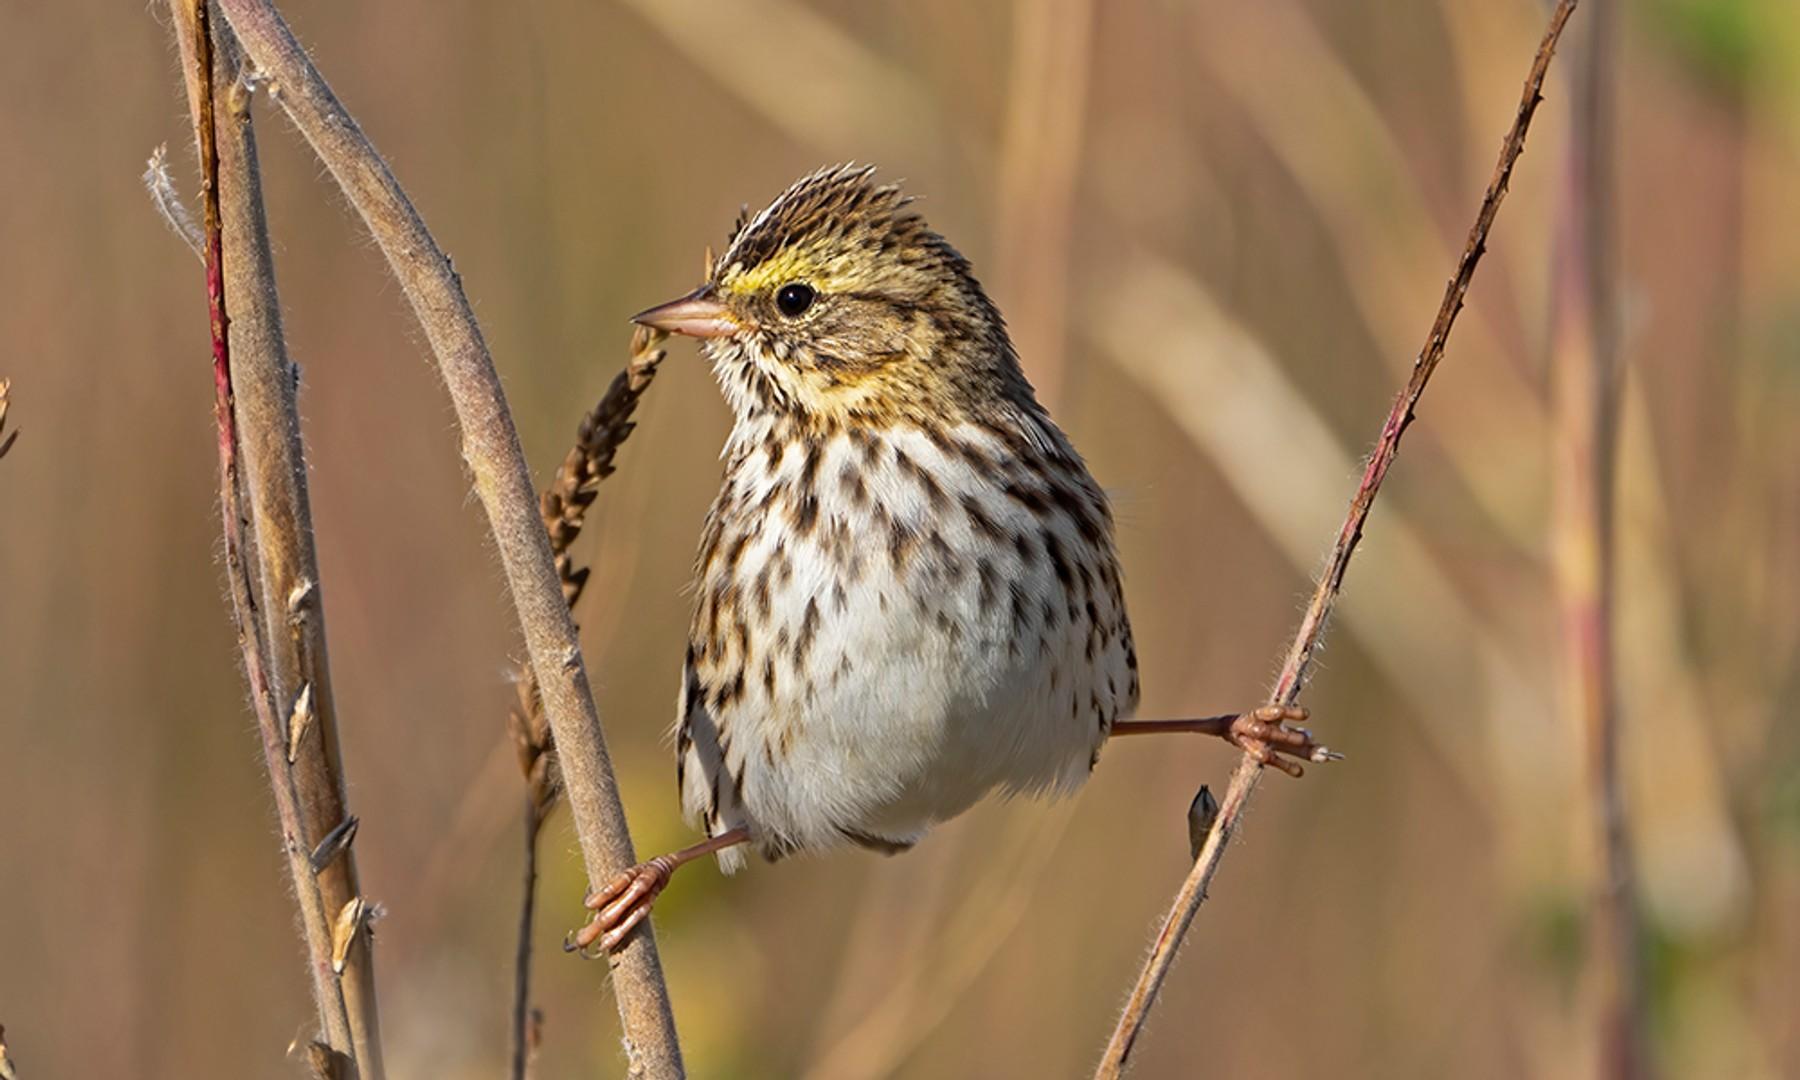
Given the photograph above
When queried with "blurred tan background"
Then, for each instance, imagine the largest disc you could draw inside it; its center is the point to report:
(1219, 230)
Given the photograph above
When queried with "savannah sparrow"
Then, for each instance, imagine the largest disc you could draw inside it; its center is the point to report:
(907, 591)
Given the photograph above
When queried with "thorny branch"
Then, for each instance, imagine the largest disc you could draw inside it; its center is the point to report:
(1312, 626)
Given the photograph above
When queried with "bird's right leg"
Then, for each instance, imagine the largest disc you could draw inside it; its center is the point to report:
(1263, 732)
(626, 899)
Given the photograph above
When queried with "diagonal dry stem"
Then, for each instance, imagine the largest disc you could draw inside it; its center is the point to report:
(564, 509)
(490, 446)
(1312, 626)
(269, 529)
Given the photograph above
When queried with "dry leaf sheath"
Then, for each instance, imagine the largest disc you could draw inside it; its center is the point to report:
(1312, 626)
(564, 507)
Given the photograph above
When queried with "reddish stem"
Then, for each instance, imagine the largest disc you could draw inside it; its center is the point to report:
(215, 261)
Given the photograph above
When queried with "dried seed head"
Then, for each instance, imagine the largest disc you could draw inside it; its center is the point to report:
(1201, 815)
(334, 843)
(161, 187)
(350, 921)
(301, 595)
(564, 508)
(326, 1063)
(300, 722)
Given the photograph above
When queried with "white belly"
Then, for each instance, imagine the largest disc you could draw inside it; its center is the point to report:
(921, 644)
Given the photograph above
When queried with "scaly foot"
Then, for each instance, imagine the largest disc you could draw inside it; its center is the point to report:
(1262, 732)
(622, 904)
(626, 899)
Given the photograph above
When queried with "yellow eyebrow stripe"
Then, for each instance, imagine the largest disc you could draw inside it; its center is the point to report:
(785, 266)
(839, 273)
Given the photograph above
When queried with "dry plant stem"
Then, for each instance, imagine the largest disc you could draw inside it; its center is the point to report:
(1584, 358)
(192, 18)
(286, 587)
(1299, 658)
(521, 1000)
(290, 603)
(502, 482)
(564, 509)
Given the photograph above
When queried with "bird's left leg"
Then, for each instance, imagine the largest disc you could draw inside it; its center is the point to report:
(1263, 732)
(627, 898)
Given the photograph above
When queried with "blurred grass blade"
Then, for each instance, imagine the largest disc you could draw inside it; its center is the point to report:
(806, 76)
(1040, 157)
(1337, 146)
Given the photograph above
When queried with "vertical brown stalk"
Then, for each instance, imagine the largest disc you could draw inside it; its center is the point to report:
(564, 508)
(1584, 361)
(270, 549)
(1312, 625)
(502, 481)
(522, 1026)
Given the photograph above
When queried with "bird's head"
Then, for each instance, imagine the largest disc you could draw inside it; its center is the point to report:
(838, 303)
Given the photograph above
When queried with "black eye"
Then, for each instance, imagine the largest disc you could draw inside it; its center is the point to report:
(794, 299)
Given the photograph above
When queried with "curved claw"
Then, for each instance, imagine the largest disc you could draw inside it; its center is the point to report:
(1265, 734)
(621, 904)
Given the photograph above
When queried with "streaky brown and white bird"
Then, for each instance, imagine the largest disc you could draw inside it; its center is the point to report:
(908, 594)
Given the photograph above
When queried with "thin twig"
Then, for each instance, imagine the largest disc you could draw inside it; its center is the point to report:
(285, 585)
(1299, 658)
(522, 1042)
(564, 508)
(1584, 359)
(490, 445)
